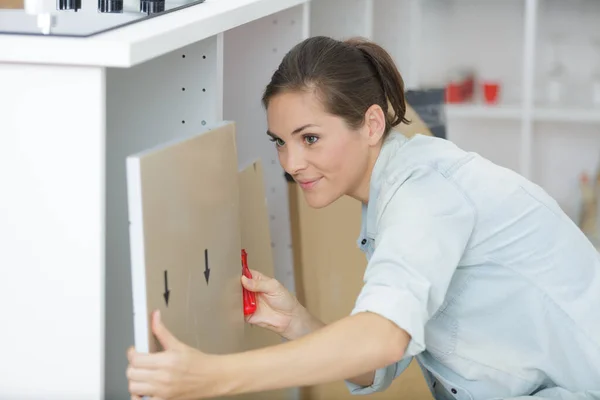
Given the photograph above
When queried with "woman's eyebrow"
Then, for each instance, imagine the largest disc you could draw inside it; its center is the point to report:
(297, 130)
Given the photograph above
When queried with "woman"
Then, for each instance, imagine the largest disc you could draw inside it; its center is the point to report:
(473, 270)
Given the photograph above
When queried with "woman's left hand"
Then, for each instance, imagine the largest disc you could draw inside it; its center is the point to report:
(180, 372)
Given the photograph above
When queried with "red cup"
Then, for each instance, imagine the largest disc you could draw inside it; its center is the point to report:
(491, 92)
(454, 93)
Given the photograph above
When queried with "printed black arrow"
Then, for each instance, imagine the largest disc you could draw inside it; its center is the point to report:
(206, 269)
(167, 291)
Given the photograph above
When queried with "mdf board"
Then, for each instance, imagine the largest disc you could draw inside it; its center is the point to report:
(256, 240)
(11, 4)
(184, 209)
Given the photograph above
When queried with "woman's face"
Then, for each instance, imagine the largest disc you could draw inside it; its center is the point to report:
(325, 157)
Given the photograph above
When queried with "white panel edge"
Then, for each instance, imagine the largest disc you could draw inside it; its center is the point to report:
(138, 260)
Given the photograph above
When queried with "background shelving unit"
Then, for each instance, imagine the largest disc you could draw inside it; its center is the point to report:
(505, 40)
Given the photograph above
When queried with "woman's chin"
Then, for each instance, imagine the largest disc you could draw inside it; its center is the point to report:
(318, 200)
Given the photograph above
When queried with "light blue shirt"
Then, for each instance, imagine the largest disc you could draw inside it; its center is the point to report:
(498, 288)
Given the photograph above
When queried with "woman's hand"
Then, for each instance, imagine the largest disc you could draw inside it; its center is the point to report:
(277, 307)
(180, 372)
(278, 310)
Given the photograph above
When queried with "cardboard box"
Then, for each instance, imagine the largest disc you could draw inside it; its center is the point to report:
(11, 4)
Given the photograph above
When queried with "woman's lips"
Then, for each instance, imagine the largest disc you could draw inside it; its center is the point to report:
(308, 184)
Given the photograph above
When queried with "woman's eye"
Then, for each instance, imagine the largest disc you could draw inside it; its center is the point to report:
(311, 139)
(278, 141)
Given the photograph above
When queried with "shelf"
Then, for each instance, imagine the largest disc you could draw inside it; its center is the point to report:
(142, 41)
(566, 114)
(479, 111)
(545, 114)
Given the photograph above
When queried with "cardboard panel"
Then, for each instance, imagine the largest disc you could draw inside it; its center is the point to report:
(185, 241)
(256, 239)
(12, 4)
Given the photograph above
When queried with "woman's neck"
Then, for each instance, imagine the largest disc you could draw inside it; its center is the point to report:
(361, 191)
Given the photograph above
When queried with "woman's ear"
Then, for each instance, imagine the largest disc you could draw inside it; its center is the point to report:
(375, 124)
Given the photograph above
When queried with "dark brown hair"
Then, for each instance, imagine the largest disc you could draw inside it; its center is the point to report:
(348, 76)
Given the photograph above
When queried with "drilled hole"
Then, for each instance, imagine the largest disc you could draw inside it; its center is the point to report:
(183, 89)
(203, 89)
(204, 57)
(183, 122)
(183, 56)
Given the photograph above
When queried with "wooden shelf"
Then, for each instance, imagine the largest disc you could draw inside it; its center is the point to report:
(540, 113)
(567, 114)
(478, 111)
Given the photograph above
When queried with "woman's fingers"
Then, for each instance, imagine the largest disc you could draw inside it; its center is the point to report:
(260, 285)
(258, 275)
(140, 389)
(139, 374)
(256, 320)
(147, 360)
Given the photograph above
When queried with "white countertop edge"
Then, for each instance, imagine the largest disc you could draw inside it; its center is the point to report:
(63, 51)
(139, 42)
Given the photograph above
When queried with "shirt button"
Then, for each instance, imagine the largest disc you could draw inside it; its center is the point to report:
(364, 241)
(454, 391)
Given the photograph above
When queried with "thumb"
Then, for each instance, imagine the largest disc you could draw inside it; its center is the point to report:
(166, 338)
(256, 284)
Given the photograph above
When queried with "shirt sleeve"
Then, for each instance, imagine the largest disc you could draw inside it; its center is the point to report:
(421, 237)
(383, 378)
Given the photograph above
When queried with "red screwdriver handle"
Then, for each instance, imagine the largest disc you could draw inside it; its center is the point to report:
(248, 296)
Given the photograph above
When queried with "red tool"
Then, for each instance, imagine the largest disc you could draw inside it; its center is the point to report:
(249, 297)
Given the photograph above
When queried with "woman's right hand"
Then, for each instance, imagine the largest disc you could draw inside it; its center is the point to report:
(277, 309)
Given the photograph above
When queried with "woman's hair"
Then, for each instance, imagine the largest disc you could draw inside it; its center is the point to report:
(347, 76)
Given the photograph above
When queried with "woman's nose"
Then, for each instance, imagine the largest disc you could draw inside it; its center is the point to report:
(295, 161)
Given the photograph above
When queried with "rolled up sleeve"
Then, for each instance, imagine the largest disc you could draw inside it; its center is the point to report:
(382, 380)
(422, 234)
